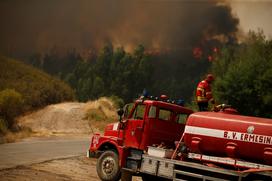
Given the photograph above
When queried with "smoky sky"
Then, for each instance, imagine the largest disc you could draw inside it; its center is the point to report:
(29, 26)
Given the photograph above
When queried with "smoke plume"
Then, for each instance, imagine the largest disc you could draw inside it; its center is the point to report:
(37, 25)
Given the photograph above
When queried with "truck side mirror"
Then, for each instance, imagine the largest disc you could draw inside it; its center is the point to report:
(120, 112)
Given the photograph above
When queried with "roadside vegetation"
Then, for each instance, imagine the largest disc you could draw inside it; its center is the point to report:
(24, 88)
(244, 76)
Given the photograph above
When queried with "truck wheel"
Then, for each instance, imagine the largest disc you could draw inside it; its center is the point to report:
(107, 166)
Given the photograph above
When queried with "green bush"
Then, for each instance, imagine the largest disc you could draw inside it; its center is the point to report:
(11, 105)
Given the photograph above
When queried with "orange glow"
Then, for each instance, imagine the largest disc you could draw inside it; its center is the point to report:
(210, 58)
(215, 50)
(197, 52)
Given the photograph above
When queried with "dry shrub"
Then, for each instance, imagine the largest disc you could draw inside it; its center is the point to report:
(100, 113)
(11, 137)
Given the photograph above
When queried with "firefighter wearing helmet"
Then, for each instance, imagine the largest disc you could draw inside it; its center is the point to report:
(204, 93)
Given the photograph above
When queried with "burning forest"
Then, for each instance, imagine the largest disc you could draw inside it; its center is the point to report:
(37, 26)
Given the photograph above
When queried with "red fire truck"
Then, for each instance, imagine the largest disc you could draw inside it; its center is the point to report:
(158, 139)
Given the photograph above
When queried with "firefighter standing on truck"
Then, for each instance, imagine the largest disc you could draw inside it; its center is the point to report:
(204, 93)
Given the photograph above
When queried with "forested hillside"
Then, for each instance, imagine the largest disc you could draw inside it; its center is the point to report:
(113, 71)
(24, 88)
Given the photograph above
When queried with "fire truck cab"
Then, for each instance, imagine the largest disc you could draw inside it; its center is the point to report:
(159, 139)
(147, 122)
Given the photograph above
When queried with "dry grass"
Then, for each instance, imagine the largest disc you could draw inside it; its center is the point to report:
(11, 137)
(100, 113)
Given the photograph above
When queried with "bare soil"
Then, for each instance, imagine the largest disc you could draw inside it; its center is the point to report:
(75, 168)
(78, 168)
(64, 118)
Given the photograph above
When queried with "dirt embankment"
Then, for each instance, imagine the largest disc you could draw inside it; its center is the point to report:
(70, 118)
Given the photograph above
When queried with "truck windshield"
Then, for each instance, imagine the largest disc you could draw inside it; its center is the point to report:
(139, 112)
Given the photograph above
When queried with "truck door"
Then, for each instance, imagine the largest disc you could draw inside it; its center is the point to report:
(165, 128)
(134, 126)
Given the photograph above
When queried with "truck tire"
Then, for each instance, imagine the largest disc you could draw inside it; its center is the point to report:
(107, 166)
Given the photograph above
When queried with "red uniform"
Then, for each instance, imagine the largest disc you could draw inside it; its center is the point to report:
(203, 92)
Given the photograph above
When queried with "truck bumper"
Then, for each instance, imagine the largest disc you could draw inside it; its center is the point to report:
(93, 154)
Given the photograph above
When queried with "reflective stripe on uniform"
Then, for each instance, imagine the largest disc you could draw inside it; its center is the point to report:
(208, 93)
(201, 99)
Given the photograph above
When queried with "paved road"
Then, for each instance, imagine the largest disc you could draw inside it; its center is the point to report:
(38, 150)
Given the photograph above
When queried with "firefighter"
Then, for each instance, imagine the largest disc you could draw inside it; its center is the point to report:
(204, 93)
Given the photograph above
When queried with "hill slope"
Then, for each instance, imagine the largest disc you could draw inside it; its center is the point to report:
(37, 88)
